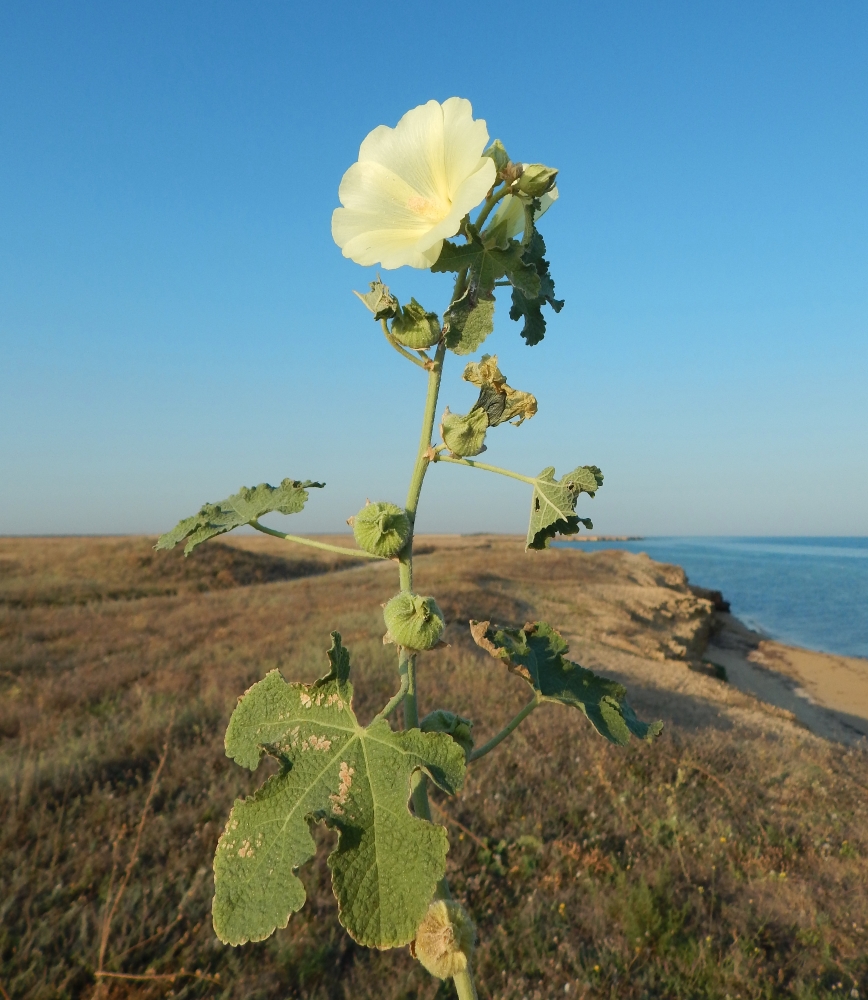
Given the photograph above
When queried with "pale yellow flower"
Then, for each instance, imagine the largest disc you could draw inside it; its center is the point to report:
(511, 208)
(412, 185)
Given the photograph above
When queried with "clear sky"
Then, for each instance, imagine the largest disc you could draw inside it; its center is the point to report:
(175, 320)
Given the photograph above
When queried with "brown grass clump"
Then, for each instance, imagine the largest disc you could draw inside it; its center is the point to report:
(728, 859)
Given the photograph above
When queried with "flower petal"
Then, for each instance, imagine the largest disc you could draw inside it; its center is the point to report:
(412, 185)
(511, 208)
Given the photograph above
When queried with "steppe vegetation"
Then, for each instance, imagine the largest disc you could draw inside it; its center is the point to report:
(728, 859)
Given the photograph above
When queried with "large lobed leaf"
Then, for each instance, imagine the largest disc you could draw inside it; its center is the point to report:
(527, 303)
(537, 653)
(487, 258)
(241, 508)
(487, 263)
(553, 505)
(357, 780)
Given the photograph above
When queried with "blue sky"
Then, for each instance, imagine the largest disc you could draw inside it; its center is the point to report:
(175, 320)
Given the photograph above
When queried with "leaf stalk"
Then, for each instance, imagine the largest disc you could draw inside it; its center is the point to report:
(509, 728)
(299, 540)
(484, 466)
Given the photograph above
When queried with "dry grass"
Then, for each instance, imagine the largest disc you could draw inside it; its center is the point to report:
(722, 861)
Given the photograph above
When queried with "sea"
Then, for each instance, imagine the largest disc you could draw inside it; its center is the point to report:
(808, 592)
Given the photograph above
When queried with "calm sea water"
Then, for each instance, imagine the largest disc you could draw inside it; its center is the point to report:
(810, 592)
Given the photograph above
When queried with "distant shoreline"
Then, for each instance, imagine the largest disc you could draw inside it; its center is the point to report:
(604, 538)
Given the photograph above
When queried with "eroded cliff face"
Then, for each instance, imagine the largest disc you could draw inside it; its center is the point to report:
(614, 597)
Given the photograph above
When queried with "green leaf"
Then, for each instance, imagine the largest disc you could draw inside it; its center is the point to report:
(468, 323)
(464, 435)
(527, 303)
(553, 505)
(241, 508)
(537, 653)
(387, 862)
(487, 264)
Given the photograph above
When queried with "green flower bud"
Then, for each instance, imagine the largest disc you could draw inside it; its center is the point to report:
(441, 720)
(413, 621)
(445, 939)
(498, 154)
(464, 435)
(381, 529)
(415, 328)
(536, 179)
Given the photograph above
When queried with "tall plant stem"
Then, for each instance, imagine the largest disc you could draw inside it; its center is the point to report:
(341, 549)
(471, 464)
(423, 460)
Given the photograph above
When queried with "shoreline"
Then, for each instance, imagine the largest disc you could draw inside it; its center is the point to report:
(825, 692)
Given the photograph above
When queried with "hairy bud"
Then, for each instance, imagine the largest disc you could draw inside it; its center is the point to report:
(497, 153)
(464, 435)
(381, 529)
(414, 327)
(414, 621)
(445, 939)
(536, 179)
(441, 720)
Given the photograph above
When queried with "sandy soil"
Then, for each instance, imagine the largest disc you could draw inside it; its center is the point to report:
(826, 693)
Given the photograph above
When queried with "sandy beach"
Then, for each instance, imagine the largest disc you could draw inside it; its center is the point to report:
(826, 693)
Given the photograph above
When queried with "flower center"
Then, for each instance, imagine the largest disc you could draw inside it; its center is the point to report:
(428, 209)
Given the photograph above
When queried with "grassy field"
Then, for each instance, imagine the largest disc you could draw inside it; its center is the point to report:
(726, 860)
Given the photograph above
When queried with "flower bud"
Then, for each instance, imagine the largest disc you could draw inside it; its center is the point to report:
(441, 720)
(381, 529)
(536, 179)
(445, 939)
(414, 621)
(464, 435)
(497, 153)
(415, 328)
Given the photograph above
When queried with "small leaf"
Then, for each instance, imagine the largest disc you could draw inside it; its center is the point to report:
(537, 653)
(467, 324)
(527, 303)
(380, 300)
(357, 780)
(241, 508)
(553, 505)
(464, 435)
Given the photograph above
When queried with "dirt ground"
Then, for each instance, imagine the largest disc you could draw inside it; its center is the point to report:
(727, 859)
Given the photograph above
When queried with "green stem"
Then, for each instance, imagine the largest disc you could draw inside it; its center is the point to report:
(507, 729)
(341, 549)
(464, 985)
(482, 465)
(406, 659)
(395, 700)
(423, 460)
(399, 349)
(489, 205)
